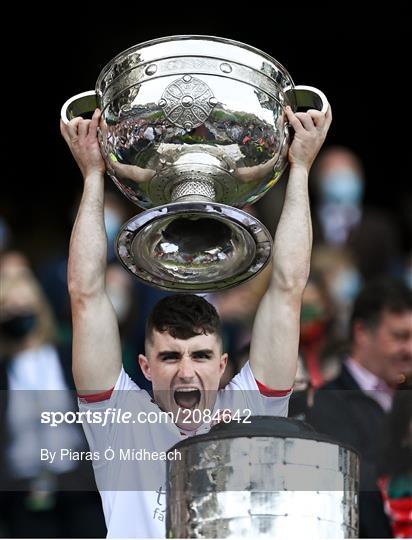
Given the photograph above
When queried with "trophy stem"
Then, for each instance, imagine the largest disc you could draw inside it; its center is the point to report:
(194, 190)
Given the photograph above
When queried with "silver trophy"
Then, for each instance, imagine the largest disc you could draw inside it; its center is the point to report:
(192, 129)
(270, 478)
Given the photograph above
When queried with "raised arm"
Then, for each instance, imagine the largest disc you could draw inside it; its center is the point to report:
(96, 341)
(275, 336)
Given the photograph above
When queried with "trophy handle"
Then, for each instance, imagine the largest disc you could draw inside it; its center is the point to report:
(77, 105)
(307, 96)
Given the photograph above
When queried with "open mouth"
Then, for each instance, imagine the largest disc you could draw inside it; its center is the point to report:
(187, 398)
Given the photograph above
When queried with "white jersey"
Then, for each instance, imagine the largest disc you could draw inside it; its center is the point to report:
(134, 492)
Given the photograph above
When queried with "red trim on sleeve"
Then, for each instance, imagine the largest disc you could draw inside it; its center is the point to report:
(94, 398)
(269, 392)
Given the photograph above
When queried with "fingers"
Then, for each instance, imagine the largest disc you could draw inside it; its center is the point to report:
(80, 128)
(309, 120)
(95, 121)
(81, 137)
(293, 119)
(72, 127)
(317, 117)
(320, 119)
(83, 128)
(77, 125)
(306, 120)
(300, 121)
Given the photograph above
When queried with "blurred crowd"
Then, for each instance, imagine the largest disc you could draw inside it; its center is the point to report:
(355, 366)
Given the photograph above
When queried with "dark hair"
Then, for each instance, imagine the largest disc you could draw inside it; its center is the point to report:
(395, 455)
(377, 296)
(184, 316)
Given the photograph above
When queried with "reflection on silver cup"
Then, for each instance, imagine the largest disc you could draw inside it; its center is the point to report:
(192, 129)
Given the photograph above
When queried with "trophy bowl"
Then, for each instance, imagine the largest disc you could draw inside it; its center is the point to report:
(192, 129)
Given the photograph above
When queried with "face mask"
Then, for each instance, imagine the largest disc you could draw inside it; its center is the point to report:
(18, 326)
(342, 187)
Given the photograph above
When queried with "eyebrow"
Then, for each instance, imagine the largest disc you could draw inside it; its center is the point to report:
(176, 354)
(203, 351)
(167, 354)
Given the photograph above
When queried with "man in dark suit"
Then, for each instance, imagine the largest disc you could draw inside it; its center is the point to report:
(352, 407)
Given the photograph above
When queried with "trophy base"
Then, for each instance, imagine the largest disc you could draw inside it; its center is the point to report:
(194, 246)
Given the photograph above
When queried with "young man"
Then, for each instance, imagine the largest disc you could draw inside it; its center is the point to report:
(183, 358)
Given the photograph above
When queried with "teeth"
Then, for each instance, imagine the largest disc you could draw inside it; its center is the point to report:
(186, 389)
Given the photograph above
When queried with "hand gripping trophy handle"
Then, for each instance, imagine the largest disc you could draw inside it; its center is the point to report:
(307, 97)
(78, 105)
